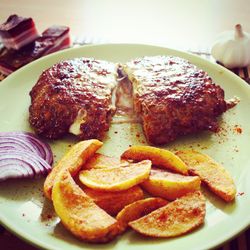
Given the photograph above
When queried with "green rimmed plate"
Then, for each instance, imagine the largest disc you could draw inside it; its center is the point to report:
(25, 211)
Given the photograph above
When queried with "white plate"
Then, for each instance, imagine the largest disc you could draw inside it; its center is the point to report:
(24, 210)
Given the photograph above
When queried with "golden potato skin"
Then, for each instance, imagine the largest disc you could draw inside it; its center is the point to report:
(214, 175)
(73, 161)
(114, 202)
(139, 209)
(79, 214)
(174, 219)
(168, 185)
(159, 157)
(116, 179)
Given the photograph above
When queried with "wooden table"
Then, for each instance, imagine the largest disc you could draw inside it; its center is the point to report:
(188, 25)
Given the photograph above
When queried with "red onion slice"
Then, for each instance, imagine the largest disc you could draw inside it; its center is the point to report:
(15, 143)
(26, 141)
(23, 155)
(20, 164)
(9, 170)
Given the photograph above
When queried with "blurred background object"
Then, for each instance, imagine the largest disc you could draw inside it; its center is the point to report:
(186, 25)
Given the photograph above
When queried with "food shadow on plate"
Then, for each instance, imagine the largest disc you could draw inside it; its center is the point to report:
(48, 215)
(62, 233)
(135, 238)
(226, 207)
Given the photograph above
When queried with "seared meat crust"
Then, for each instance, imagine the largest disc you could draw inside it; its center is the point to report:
(81, 87)
(174, 97)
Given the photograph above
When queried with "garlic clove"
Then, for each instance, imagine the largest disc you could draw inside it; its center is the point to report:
(232, 56)
(232, 48)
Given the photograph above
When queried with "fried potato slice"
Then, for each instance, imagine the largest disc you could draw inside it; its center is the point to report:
(103, 161)
(159, 157)
(114, 202)
(169, 185)
(176, 218)
(79, 214)
(214, 175)
(73, 161)
(116, 179)
(139, 209)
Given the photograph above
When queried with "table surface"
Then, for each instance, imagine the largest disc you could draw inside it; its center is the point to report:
(187, 25)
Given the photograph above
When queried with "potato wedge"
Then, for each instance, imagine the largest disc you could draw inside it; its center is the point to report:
(176, 218)
(114, 202)
(104, 161)
(214, 175)
(73, 161)
(139, 209)
(116, 179)
(79, 214)
(169, 185)
(159, 157)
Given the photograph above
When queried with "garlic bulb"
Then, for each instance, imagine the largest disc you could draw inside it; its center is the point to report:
(232, 48)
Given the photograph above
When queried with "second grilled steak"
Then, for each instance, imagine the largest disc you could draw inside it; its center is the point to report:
(173, 97)
(73, 96)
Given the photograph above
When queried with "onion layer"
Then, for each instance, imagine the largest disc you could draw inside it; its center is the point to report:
(22, 154)
(26, 141)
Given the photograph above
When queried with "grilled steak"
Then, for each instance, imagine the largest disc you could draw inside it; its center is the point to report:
(73, 96)
(173, 97)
